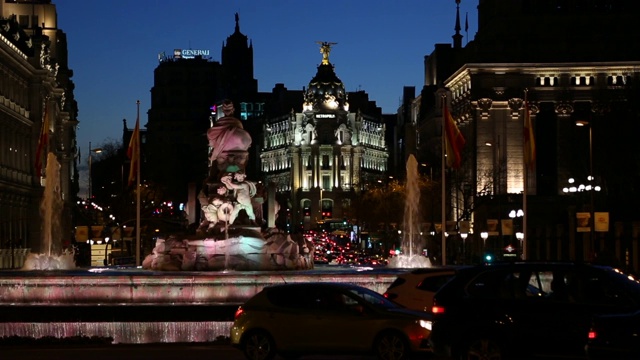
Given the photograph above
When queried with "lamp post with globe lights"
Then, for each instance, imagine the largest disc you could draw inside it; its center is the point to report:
(91, 152)
(574, 188)
(590, 178)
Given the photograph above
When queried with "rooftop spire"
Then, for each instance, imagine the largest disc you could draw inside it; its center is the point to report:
(457, 38)
(237, 23)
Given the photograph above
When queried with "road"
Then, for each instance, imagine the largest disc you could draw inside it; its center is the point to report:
(138, 352)
(162, 352)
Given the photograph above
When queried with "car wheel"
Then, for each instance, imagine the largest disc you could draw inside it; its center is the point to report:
(483, 349)
(392, 346)
(258, 345)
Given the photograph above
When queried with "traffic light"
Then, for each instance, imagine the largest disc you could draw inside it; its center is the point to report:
(488, 258)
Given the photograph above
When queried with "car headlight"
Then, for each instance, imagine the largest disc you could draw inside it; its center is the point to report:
(425, 324)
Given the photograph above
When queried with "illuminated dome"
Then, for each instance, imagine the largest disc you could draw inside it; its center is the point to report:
(326, 90)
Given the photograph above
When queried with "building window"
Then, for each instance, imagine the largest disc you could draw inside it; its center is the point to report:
(23, 20)
(326, 182)
(325, 161)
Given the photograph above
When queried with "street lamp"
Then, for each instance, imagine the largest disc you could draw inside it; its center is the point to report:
(496, 162)
(484, 235)
(464, 247)
(91, 151)
(590, 178)
(520, 237)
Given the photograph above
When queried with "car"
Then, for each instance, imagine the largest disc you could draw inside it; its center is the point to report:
(415, 289)
(296, 319)
(614, 337)
(519, 309)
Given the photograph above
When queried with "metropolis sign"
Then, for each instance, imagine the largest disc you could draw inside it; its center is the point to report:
(189, 53)
(325, 116)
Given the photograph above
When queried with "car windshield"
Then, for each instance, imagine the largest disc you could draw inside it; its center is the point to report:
(373, 298)
(630, 282)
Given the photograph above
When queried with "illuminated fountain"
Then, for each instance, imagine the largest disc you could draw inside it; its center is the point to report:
(194, 297)
(411, 245)
(51, 255)
(229, 238)
(140, 306)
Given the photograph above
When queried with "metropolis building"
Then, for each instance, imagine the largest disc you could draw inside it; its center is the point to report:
(324, 155)
(35, 84)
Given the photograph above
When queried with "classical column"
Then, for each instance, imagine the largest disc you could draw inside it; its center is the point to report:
(272, 205)
(357, 160)
(317, 157)
(336, 171)
(296, 168)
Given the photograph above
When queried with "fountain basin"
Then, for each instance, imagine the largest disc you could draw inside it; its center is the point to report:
(134, 286)
(141, 306)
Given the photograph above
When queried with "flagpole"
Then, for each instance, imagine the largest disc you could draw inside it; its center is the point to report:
(137, 159)
(466, 26)
(443, 178)
(525, 180)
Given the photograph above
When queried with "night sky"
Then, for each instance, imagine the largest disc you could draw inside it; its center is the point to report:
(114, 45)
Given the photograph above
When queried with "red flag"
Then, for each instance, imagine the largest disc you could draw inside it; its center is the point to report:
(43, 140)
(466, 23)
(454, 141)
(529, 140)
(133, 152)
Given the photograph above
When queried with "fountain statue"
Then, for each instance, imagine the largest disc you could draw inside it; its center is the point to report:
(230, 236)
(51, 256)
(411, 246)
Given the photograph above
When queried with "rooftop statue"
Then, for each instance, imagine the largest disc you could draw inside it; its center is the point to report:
(228, 141)
(325, 49)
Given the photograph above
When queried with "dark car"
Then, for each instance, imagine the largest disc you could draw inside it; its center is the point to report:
(298, 319)
(614, 337)
(519, 309)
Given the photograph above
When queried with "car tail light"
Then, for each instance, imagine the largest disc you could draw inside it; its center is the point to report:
(435, 309)
(390, 296)
(238, 313)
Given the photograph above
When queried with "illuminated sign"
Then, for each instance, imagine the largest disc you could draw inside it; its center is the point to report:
(325, 116)
(189, 53)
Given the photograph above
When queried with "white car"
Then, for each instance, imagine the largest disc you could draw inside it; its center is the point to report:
(415, 289)
(298, 319)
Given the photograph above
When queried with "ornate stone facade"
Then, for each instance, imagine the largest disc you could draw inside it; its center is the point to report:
(35, 86)
(325, 154)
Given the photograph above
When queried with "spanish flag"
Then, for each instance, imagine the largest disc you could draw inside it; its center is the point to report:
(454, 141)
(529, 139)
(133, 152)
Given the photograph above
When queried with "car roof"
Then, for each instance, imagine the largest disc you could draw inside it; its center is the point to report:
(315, 285)
(437, 269)
(530, 265)
(466, 274)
